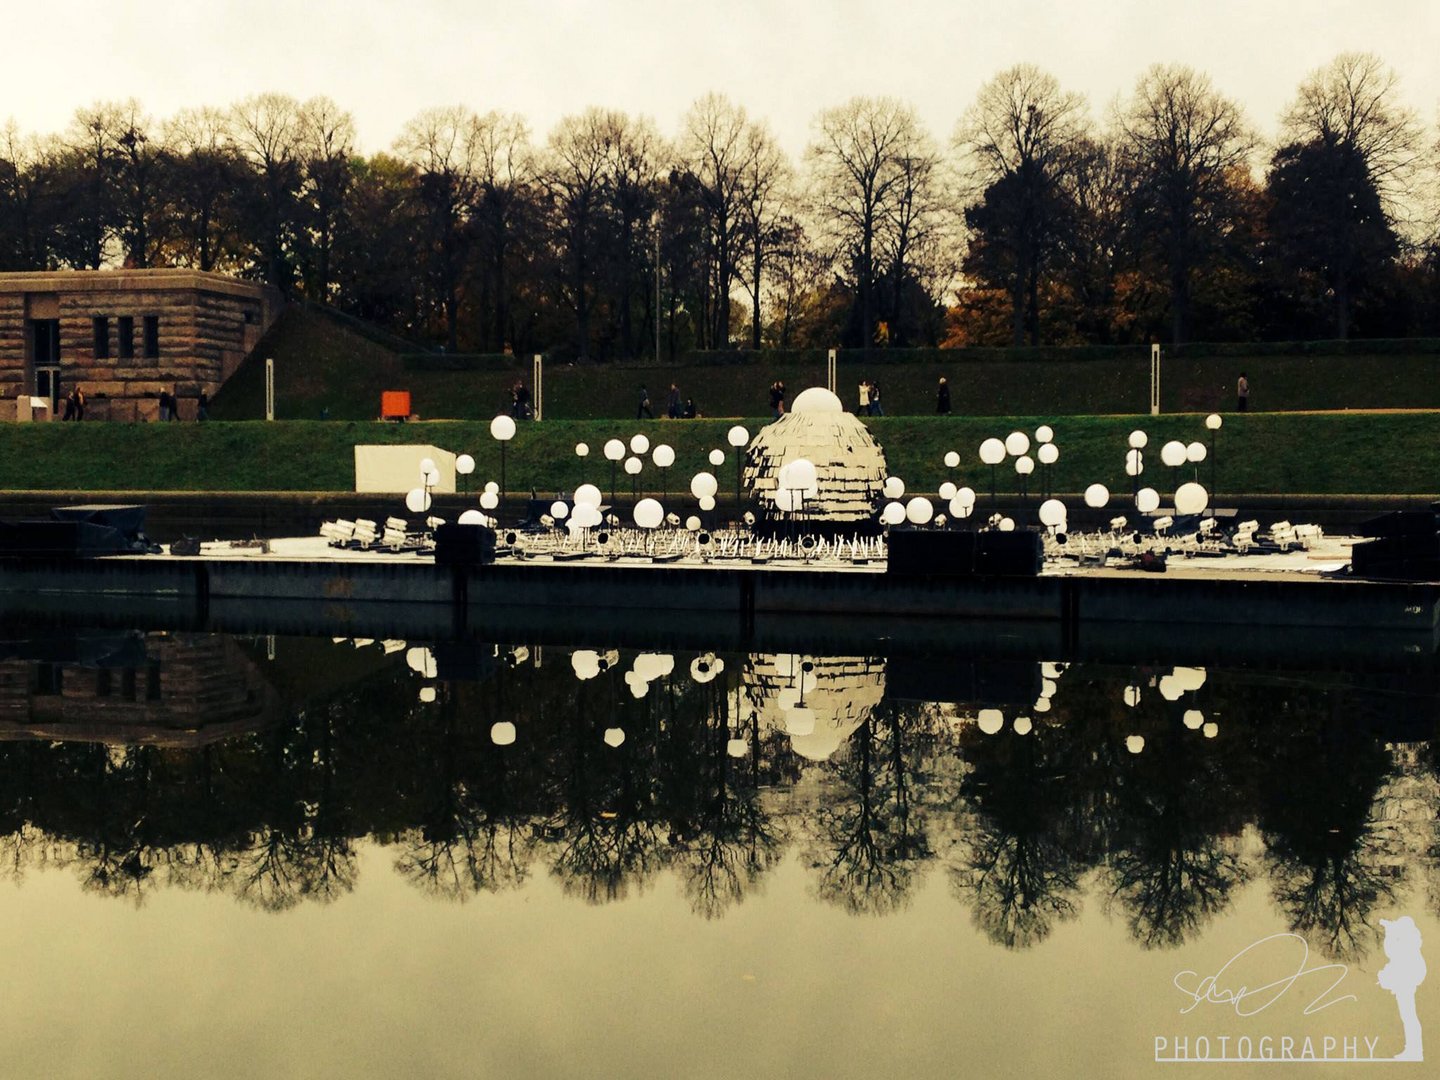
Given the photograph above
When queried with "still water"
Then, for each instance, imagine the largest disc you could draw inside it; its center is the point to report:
(258, 856)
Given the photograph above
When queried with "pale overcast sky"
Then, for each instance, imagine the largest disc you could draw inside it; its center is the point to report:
(783, 60)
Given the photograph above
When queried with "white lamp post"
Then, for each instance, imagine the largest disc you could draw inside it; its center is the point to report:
(502, 428)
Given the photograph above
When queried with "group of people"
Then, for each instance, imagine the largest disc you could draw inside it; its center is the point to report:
(869, 399)
(170, 406)
(74, 405)
(674, 408)
(520, 407)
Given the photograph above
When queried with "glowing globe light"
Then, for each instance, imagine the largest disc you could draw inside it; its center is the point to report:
(918, 510)
(1191, 498)
(703, 484)
(707, 503)
(1044, 434)
(1007, 524)
(952, 459)
(639, 444)
(582, 449)
(1138, 440)
(614, 450)
(1052, 513)
(1195, 452)
(992, 451)
(894, 487)
(1024, 465)
(1096, 496)
(1147, 500)
(893, 514)
(1173, 453)
(1213, 421)
(588, 495)
(471, 517)
(1048, 453)
(559, 511)
(1134, 463)
(1017, 443)
(649, 513)
(737, 436)
(633, 465)
(664, 456)
(502, 428)
(417, 500)
(717, 457)
(947, 491)
(1210, 730)
(489, 500)
(737, 748)
(465, 464)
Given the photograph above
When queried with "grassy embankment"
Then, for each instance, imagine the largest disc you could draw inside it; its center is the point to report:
(321, 365)
(1330, 453)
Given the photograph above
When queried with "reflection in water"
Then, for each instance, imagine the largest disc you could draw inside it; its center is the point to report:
(196, 762)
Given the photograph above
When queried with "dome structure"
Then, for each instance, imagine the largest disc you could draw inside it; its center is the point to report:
(849, 463)
(820, 708)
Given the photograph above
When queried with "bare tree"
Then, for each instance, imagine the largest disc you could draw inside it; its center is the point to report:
(443, 145)
(206, 170)
(764, 192)
(1181, 139)
(856, 175)
(326, 144)
(267, 129)
(1353, 101)
(1020, 144)
(716, 147)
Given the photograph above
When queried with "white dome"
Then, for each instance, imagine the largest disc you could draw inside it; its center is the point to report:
(816, 400)
(849, 464)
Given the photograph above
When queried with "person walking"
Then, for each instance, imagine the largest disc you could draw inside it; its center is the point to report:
(202, 406)
(942, 398)
(777, 399)
(166, 404)
(864, 409)
(1242, 394)
(876, 409)
(672, 403)
(69, 406)
(643, 409)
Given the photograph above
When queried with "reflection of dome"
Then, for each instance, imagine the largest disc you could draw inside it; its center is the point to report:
(839, 693)
(849, 463)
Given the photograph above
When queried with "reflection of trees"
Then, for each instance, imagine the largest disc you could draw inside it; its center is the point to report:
(1019, 863)
(1176, 860)
(869, 837)
(1329, 865)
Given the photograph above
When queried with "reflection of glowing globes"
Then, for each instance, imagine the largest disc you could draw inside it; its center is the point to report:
(417, 500)
(502, 733)
(952, 459)
(1173, 453)
(1191, 498)
(1135, 743)
(559, 511)
(717, 457)
(991, 721)
(421, 661)
(1044, 433)
(1016, 443)
(947, 491)
(639, 444)
(1147, 500)
(1170, 688)
(614, 736)
(1138, 440)
(703, 484)
(894, 487)
(649, 513)
(1042, 704)
(918, 510)
(489, 500)
(1193, 719)
(502, 428)
(737, 748)
(1052, 513)
(427, 694)
(586, 663)
(799, 721)
(1132, 695)
(1096, 496)
(992, 451)
(1024, 725)
(588, 495)
(893, 514)
(663, 457)
(1048, 453)
(465, 464)
(1210, 730)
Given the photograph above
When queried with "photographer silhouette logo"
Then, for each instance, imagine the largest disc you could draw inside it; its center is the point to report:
(1402, 976)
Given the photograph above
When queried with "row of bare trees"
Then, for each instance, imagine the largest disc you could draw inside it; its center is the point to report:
(609, 240)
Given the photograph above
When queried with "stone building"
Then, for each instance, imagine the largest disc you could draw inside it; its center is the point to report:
(123, 336)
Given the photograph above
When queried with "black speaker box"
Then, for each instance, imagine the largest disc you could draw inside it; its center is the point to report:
(464, 545)
(1009, 554)
(1401, 523)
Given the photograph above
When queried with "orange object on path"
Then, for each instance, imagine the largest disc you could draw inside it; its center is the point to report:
(394, 404)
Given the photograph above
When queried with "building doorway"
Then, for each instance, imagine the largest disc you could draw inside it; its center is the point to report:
(45, 358)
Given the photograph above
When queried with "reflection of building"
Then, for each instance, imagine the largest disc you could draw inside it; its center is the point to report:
(820, 707)
(188, 690)
(125, 335)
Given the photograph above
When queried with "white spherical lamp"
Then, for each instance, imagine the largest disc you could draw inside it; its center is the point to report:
(737, 436)
(992, 451)
(465, 464)
(614, 450)
(1191, 499)
(1017, 443)
(1096, 496)
(502, 428)
(649, 513)
(918, 510)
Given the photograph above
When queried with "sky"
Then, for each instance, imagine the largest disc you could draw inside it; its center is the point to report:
(784, 60)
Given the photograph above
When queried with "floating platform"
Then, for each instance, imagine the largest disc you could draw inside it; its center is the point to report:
(1280, 605)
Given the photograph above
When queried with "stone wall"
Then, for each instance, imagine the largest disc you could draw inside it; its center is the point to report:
(207, 325)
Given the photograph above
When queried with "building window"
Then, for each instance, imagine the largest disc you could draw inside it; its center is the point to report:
(125, 327)
(152, 337)
(49, 679)
(102, 337)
